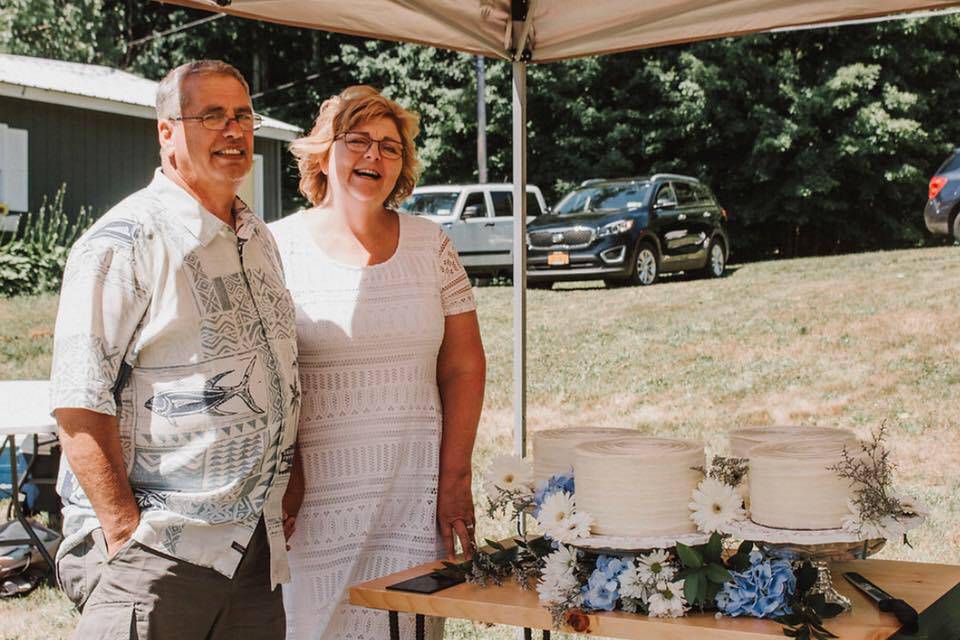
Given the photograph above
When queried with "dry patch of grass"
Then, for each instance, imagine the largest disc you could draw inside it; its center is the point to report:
(850, 341)
(26, 337)
(44, 614)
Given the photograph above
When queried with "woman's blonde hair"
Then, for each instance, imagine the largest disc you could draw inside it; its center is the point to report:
(340, 114)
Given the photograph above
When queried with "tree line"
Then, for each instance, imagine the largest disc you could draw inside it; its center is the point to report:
(816, 142)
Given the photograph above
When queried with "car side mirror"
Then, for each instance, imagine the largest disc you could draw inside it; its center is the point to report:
(473, 211)
(665, 204)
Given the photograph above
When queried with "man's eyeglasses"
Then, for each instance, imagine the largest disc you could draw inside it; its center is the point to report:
(361, 142)
(219, 122)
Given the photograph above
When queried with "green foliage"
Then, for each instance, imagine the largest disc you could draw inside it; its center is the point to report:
(32, 261)
(817, 142)
(740, 561)
(704, 571)
(494, 563)
(809, 609)
(78, 31)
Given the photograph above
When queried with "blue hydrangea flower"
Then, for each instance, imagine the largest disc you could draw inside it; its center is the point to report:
(556, 483)
(603, 587)
(761, 591)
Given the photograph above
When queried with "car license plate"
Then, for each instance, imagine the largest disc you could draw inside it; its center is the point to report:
(558, 259)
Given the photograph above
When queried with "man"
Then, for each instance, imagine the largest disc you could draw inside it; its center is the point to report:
(175, 387)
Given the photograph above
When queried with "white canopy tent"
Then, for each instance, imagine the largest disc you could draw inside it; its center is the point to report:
(524, 31)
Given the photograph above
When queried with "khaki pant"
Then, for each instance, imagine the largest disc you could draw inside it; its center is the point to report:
(143, 594)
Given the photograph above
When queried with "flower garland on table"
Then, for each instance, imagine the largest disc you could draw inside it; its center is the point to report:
(665, 583)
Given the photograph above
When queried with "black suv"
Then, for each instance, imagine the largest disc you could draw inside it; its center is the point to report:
(943, 198)
(628, 231)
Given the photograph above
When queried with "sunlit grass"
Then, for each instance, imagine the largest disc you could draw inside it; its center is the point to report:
(851, 341)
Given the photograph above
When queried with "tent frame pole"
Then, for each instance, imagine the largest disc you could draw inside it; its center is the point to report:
(519, 258)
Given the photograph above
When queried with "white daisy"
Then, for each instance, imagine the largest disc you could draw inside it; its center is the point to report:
(509, 473)
(667, 601)
(655, 567)
(716, 506)
(632, 585)
(887, 527)
(911, 507)
(577, 526)
(560, 520)
(558, 578)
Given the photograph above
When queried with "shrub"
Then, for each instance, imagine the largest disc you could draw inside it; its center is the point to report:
(32, 260)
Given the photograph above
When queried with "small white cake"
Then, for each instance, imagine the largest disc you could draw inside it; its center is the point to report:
(637, 487)
(553, 448)
(793, 487)
(742, 440)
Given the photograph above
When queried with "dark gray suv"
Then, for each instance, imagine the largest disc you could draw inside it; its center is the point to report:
(628, 231)
(943, 198)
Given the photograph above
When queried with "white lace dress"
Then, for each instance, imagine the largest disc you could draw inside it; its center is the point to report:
(370, 421)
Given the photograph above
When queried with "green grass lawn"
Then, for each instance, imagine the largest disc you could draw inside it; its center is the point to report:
(851, 341)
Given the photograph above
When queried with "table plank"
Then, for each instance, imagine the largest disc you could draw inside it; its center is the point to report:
(920, 584)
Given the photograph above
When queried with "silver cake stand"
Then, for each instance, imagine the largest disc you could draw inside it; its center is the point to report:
(820, 547)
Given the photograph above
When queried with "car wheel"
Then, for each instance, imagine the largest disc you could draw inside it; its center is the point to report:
(956, 227)
(716, 260)
(646, 265)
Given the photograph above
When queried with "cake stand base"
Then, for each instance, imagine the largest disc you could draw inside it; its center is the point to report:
(824, 585)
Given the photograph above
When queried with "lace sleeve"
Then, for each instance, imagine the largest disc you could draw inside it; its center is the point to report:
(456, 294)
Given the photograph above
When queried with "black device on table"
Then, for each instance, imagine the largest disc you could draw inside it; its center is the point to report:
(428, 583)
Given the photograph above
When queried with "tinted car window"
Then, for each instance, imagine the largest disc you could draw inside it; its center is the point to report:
(685, 193)
(703, 194)
(606, 197)
(533, 205)
(665, 194)
(439, 203)
(476, 199)
(502, 203)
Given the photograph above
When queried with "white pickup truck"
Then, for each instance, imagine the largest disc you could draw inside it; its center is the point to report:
(478, 218)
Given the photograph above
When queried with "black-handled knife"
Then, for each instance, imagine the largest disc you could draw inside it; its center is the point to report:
(906, 615)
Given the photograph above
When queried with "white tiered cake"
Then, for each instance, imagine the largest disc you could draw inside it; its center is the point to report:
(793, 487)
(742, 440)
(553, 448)
(638, 486)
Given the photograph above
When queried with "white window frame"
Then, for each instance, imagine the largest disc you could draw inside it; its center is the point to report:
(14, 169)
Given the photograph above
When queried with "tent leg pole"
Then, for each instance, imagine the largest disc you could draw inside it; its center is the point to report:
(519, 258)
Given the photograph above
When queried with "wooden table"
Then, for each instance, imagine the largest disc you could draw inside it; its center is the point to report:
(918, 583)
(25, 412)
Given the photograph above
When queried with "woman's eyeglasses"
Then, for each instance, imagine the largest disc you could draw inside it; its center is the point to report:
(361, 142)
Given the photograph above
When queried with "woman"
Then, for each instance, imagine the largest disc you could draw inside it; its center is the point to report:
(391, 366)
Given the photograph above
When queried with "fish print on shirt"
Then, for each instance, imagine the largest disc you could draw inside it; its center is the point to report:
(123, 231)
(177, 404)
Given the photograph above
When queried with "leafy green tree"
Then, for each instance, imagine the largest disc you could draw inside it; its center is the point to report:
(816, 141)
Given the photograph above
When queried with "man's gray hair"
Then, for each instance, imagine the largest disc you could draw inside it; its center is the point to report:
(168, 91)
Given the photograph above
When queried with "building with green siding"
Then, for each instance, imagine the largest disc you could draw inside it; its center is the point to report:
(94, 129)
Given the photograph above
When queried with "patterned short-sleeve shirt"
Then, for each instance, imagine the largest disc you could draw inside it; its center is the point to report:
(184, 330)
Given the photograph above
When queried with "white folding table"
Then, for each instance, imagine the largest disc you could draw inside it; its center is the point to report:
(24, 411)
